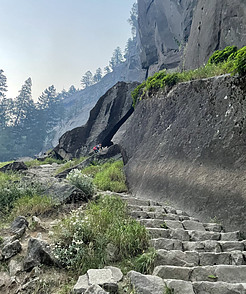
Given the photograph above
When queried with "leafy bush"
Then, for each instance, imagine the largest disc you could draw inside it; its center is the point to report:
(137, 93)
(81, 181)
(32, 205)
(111, 177)
(5, 163)
(240, 62)
(81, 239)
(222, 55)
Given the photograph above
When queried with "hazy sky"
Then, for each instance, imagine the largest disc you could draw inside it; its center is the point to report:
(57, 41)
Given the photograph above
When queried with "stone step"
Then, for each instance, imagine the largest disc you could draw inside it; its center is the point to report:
(216, 273)
(137, 202)
(199, 246)
(187, 235)
(138, 214)
(194, 258)
(183, 287)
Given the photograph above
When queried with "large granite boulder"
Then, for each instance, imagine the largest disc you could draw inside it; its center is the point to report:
(110, 112)
(188, 148)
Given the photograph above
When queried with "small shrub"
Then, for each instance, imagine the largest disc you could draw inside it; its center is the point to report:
(5, 163)
(83, 182)
(82, 238)
(32, 205)
(220, 56)
(137, 93)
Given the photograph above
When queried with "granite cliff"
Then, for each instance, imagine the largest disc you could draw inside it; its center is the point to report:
(184, 33)
(187, 147)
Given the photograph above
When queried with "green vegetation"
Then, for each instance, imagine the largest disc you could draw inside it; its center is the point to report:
(81, 181)
(107, 176)
(48, 160)
(145, 263)
(69, 164)
(4, 163)
(13, 188)
(229, 60)
(82, 239)
(32, 205)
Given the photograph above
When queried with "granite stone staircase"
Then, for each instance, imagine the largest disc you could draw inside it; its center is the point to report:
(192, 257)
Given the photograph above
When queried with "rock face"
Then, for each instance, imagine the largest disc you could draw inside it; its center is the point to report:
(188, 148)
(110, 112)
(199, 26)
(215, 25)
(164, 28)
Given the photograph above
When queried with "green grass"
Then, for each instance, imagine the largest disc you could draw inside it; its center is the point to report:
(32, 205)
(81, 239)
(230, 60)
(108, 176)
(12, 188)
(47, 160)
(5, 163)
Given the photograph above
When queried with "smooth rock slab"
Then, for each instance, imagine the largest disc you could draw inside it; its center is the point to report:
(146, 284)
(173, 272)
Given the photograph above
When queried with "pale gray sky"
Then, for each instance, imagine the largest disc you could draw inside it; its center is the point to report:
(57, 41)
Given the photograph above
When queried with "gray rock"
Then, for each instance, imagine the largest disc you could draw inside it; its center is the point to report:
(15, 267)
(177, 258)
(192, 225)
(4, 280)
(180, 287)
(11, 249)
(192, 143)
(38, 252)
(81, 285)
(174, 225)
(95, 289)
(99, 276)
(173, 272)
(116, 273)
(218, 288)
(14, 166)
(213, 227)
(146, 284)
(228, 246)
(19, 226)
(167, 244)
(110, 112)
(209, 258)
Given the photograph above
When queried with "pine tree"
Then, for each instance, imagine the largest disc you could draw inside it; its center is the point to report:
(87, 79)
(117, 58)
(107, 70)
(97, 76)
(23, 102)
(3, 100)
(3, 84)
(133, 20)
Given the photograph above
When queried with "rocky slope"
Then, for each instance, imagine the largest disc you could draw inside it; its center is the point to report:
(110, 112)
(188, 147)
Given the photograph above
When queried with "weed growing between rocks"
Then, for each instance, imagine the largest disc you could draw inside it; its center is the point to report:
(229, 60)
(101, 234)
